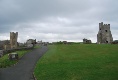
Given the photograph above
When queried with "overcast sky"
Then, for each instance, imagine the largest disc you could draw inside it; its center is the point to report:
(57, 20)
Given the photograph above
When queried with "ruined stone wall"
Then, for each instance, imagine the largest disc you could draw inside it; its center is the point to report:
(104, 35)
(86, 41)
(13, 39)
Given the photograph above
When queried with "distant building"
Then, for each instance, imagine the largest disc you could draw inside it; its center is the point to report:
(86, 41)
(115, 42)
(104, 35)
(5, 44)
(40, 42)
(30, 42)
(65, 42)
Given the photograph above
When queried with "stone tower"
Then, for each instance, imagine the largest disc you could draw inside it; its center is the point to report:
(13, 39)
(104, 35)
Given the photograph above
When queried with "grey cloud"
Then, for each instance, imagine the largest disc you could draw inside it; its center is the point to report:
(20, 10)
(57, 19)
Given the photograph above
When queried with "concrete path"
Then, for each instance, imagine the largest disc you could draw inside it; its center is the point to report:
(25, 67)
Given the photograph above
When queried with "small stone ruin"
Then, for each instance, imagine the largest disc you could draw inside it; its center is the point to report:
(30, 42)
(86, 41)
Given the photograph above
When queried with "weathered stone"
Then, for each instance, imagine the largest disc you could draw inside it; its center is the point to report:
(5, 44)
(31, 42)
(104, 35)
(86, 41)
(13, 39)
(13, 56)
(1, 53)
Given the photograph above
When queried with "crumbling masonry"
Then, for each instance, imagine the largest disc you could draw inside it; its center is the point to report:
(104, 35)
(13, 39)
(86, 41)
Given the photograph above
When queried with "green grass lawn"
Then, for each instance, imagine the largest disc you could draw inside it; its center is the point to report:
(5, 62)
(79, 62)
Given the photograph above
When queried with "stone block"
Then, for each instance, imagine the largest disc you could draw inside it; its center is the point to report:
(13, 56)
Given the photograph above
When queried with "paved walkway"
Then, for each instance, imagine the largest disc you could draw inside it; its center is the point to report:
(25, 67)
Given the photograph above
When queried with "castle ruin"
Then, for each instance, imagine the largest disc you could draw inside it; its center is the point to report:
(13, 39)
(104, 35)
(86, 41)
